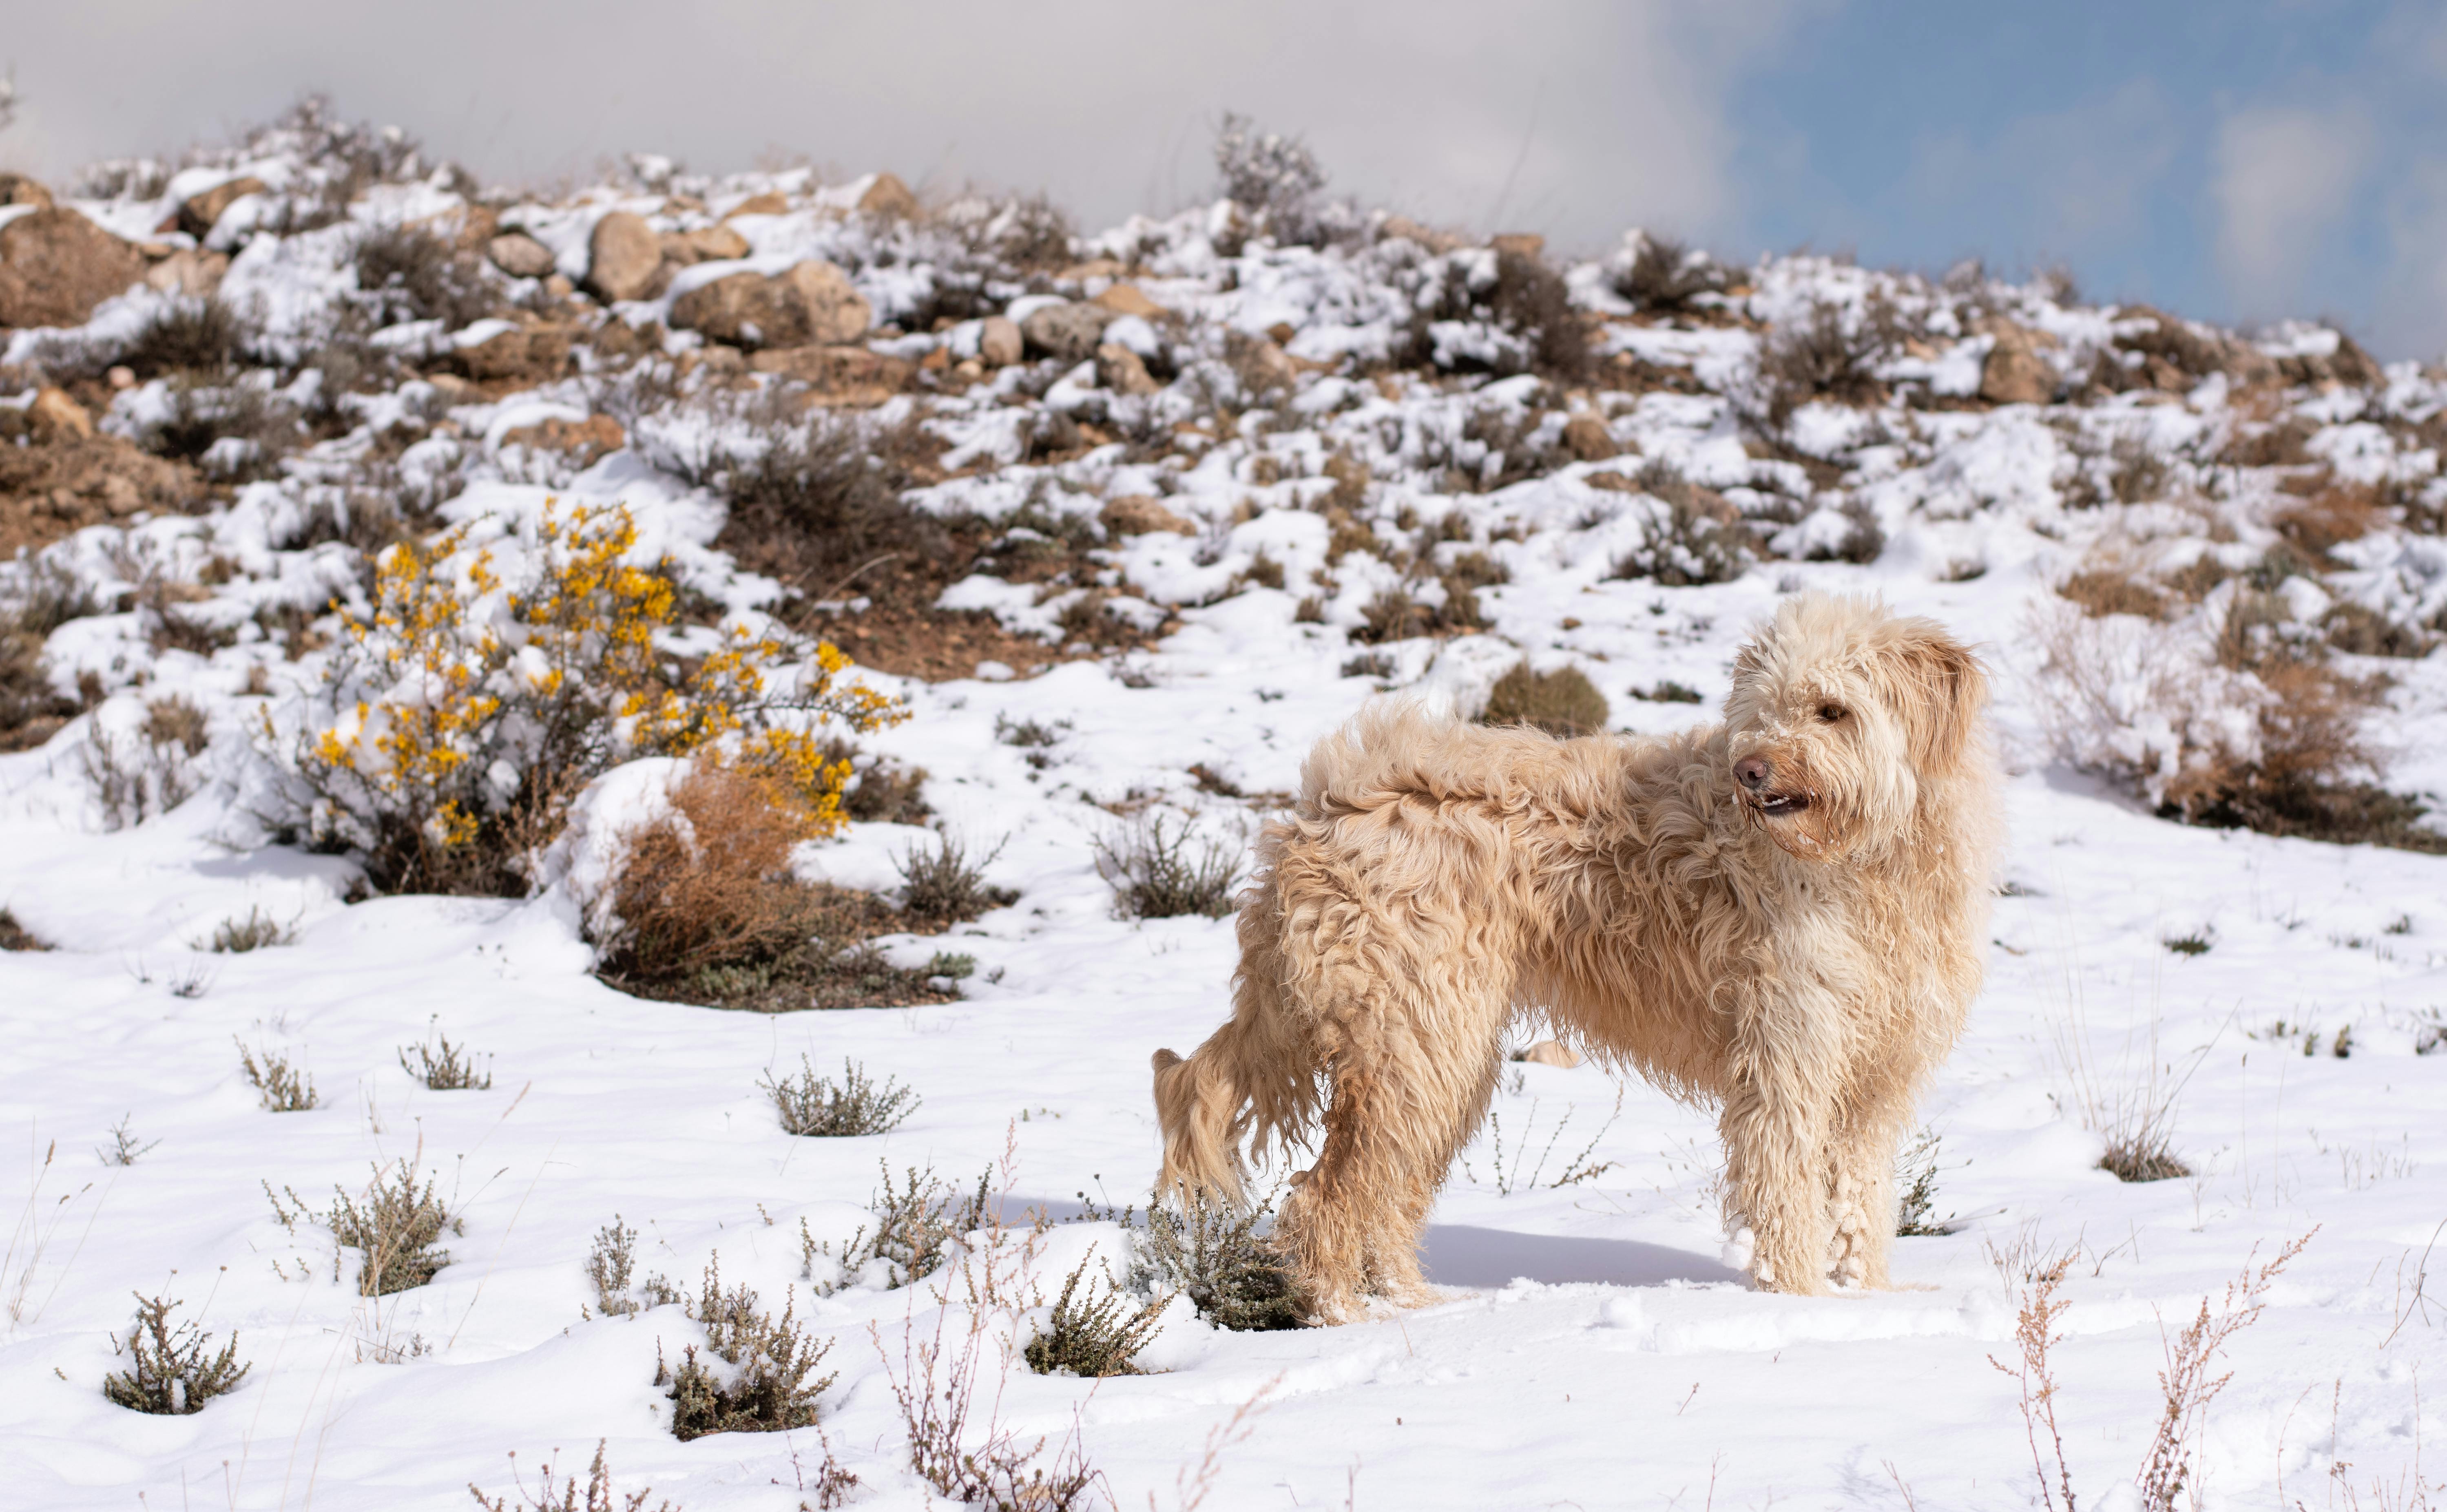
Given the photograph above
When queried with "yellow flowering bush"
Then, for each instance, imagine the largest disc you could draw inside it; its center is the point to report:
(471, 703)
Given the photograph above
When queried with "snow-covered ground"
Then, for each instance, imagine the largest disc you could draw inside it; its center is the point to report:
(1592, 1349)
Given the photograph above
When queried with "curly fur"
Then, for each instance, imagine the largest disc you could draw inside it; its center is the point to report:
(1798, 948)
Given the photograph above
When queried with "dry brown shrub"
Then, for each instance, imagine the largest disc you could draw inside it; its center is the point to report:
(711, 882)
(2112, 590)
(2330, 517)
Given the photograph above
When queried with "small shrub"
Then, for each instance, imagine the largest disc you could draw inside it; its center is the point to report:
(2142, 1151)
(16, 937)
(812, 1105)
(915, 1223)
(169, 1371)
(2195, 943)
(139, 777)
(188, 336)
(568, 1497)
(610, 1266)
(1829, 354)
(394, 1232)
(236, 431)
(1668, 691)
(2112, 590)
(1916, 1183)
(1697, 539)
(1029, 733)
(1564, 703)
(766, 1387)
(944, 887)
(406, 272)
(450, 1069)
(1370, 664)
(282, 1086)
(1094, 1335)
(823, 501)
(1213, 1253)
(1664, 274)
(125, 1149)
(882, 790)
(1156, 874)
(1272, 179)
(980, 1463)
(235, 937)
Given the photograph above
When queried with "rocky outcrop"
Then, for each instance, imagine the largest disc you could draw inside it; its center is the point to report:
(1067, 332)
(812, 304)
(55, 266)
(624, 259)
(1138, 514)
(520, 255)
(848, 376)
(201, 213)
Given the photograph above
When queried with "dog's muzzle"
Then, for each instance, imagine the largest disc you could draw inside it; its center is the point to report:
(1757, 777)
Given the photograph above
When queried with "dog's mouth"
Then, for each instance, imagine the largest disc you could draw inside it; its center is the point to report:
(1781, 805)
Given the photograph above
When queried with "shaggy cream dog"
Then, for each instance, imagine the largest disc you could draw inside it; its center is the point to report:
(1783, 915)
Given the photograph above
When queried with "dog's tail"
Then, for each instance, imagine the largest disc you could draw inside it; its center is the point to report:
(1255, 1080)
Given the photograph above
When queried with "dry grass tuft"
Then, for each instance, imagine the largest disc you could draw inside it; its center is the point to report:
(957, 1443)
(813, 1106)
(916, 1225)
(395, 1229)
(16, 937)
(596, 1496)
(611, 1266)
(282, 1086)
(945, 886)
(235, 937)
(1563, 703)
(169, 1371)
(446, 1069)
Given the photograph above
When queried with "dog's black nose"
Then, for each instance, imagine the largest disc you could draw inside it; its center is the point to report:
(1753, 772)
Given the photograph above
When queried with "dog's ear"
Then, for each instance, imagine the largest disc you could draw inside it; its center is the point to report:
(1943, 689)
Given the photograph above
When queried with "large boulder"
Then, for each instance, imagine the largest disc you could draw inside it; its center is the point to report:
(1067, 332)
(202, 212)
(810, 305)
(520, 255)
(2014, 373)
(55, 266)
(624, 260)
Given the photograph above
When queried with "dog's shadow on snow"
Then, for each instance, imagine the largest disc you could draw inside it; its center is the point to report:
(1459, 1255)
(1462, 1255)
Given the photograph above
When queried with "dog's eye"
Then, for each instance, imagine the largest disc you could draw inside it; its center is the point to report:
(1831, 713)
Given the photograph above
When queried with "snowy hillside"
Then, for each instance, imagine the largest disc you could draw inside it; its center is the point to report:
(1126, 520)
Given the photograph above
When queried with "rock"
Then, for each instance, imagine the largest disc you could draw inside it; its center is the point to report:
(839, 375)
(1092, 268)
(1551, 1053)
(2014, 373)
(1138, 514)
(887, 195)
(530, 354)
(710, 244)
(454, 389)
(1128, 300)
(70, 480)
(623, 260)
(1067, 332)
(587, 440)
(1119, 370)
(121, 377)
(763, 204)
(55, 266)
(1587, 437)
(16, 189)
(1261, 365)
(1519, 244)
(999, 344)
(559, 286)
(190, 273)
(1409, 229)
(812, 304)
(55, 417)
(202, 212)
(520, 255)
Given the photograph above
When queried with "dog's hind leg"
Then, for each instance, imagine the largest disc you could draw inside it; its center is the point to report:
(1412, 1059)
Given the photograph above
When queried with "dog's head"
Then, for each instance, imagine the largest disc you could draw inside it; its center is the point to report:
(1840, 713)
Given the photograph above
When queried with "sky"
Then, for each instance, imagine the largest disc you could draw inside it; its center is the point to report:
(2239, 162)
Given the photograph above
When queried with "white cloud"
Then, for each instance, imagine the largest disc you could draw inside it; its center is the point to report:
(2283, 179)
(1577, 117)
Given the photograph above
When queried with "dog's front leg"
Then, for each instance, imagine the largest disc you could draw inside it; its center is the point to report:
(1778, 1116)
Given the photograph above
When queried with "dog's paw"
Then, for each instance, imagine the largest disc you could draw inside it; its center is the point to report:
(1740, 1248)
